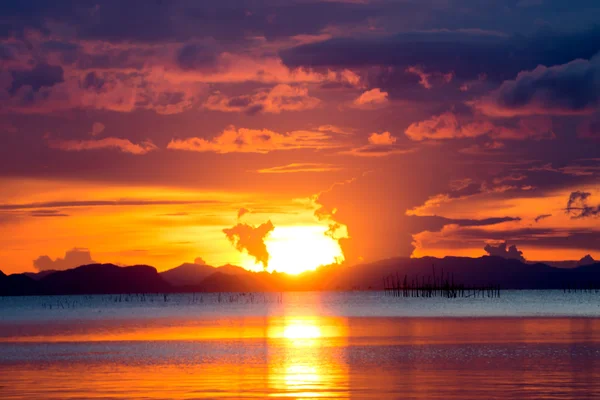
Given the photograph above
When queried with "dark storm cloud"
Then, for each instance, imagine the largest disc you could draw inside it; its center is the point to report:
(160, 21)
(561, 175)
(571, 88)
(59, 46)
(48, 213)
(578, 207)
(469, 189)
(6, 53)
(197, 56)
(590, 128)
(92, 81)
(68, 51)
(18, 16)
(435, 223)
(481, 222)
(181, 20)
(550, 238)
(576, 198)
(467, 54)
(42, 75)
(110, 20)
(502, 250)
(102, 203)
(541, 217)
(132, 58)
(96, 57)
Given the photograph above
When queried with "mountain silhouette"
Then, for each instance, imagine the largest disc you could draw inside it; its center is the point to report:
(39, 275)
(586, 260)
(508, 273)
(111, 279)
(223, 282)
(233, 270)
(187, 274)
(104, 278)
(18, 285)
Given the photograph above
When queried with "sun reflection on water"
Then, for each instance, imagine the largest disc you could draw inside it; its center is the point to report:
(301, 330)
(304, 365)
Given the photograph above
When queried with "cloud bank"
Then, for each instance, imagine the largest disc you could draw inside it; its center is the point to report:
(73, 258)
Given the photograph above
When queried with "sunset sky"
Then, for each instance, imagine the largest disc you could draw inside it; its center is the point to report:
(291, 133)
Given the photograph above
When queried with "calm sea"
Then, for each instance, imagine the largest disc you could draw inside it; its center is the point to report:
(523, 345)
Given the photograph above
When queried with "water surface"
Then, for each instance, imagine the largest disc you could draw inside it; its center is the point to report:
(537, 344)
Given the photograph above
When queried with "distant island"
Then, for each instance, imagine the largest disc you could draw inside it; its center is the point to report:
(187, 278)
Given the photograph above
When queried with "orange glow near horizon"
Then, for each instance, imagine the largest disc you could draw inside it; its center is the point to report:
(164, 233)
(173, 225)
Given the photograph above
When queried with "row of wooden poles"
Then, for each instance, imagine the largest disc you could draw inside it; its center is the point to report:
(190, 298)
(589, 287)
(435, 286)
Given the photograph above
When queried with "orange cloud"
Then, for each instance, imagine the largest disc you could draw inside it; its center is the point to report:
(73, 258)
(483, 149)
(199, 261)
(123, 145)
(238, 68)
(380, 145)
(127, 76)
(245, 140)
(280, 98)
(242, 211)
(371, 99)
(334, 129)
(449, 126)
(97, 128)
(378, 151)
(425, 78)
(120, 90)
(299, 167)
(384, 139)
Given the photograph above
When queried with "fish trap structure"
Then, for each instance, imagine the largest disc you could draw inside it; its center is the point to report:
(435, 286)
(581, 287)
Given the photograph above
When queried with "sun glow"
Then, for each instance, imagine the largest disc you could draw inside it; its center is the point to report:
(295, 249)
(301, 331)
(303, 364)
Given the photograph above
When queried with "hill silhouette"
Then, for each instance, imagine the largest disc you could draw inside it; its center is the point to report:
(104, 278)
(586, 260)
(18, 285)
(111, 279)
(233, 270)
(39, 275)
(189, 274)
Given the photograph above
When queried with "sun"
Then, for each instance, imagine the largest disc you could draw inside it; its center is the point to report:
(295, 249)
